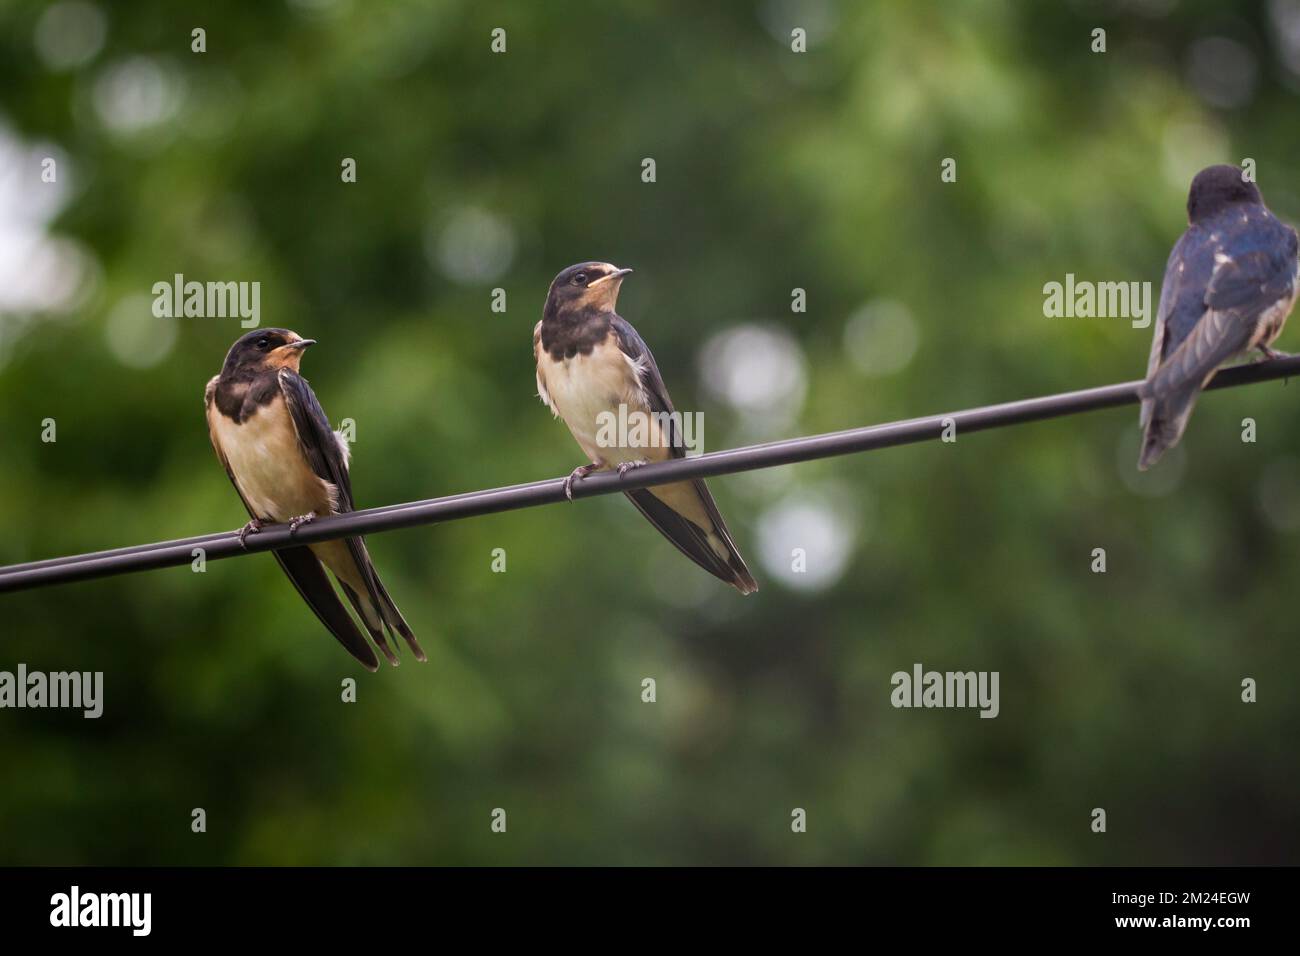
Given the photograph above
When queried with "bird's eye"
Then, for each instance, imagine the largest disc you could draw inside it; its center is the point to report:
(263, 343)
(580, 279)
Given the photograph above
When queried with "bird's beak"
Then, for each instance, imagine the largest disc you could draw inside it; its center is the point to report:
(301, 343)
(616, 274)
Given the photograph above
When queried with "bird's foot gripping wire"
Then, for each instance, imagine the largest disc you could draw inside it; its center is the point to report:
(625, 466)
(301, 520)
(1267, 354)
(582, 471)
(253, 526)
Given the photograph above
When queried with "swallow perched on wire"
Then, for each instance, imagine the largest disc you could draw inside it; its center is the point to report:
(277, 446)
(1229, 285)
(589, 362)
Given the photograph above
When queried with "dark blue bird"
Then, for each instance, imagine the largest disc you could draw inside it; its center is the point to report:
(1228, 288)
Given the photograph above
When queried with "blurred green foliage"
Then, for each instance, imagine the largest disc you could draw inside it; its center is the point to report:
(775, 170)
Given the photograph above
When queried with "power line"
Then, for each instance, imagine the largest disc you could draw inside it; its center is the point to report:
(162, 554)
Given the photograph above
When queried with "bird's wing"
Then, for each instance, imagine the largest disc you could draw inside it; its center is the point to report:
(692, 540)
(1259, 276)
(303, 569)
(1173, 299)
(542, 393)
(1246, 277)
(1217, 337)
(651, 382)
(1182, 293)
(324, 450)
(328, 455)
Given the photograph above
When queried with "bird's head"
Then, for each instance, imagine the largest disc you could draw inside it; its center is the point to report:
(588, 285)
(264, 349)
(1215, 188)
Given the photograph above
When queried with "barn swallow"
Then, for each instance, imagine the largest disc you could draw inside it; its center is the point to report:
(1229, 285)
(589, 362)
(277, 446)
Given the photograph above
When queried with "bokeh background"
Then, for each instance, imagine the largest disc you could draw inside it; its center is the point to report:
(775, 170)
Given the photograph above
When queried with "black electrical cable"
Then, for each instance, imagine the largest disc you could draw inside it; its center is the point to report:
(226, 544)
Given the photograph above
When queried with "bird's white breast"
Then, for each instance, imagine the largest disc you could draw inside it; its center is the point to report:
(586, 387)
(273, 476)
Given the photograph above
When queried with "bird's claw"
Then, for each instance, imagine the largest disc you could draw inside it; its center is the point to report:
(625, 466)
(582, 471)
(1269, 355)
(253, 526)
(301, 520)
